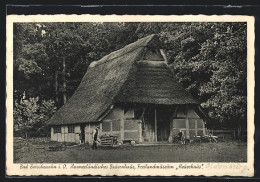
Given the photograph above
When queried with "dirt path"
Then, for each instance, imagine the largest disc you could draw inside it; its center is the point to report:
(205, 152)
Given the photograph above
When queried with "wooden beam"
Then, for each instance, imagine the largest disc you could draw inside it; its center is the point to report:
(56, 88)
(89, 138)
(196, 127)
(187, 124)
(144, 53)
(204, 130)
(122, 129)
(111, 127)
(103, 115)
(140, 131)
(174, 113)
(142, 116)
(155, 124)
(163, 55)
(64, 133)
(205, 115)
(170, 138)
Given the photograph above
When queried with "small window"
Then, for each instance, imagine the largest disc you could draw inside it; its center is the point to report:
(71, 129)
(57, 129)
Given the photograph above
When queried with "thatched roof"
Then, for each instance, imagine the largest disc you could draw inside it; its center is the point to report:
(121, 77)
(153, 82)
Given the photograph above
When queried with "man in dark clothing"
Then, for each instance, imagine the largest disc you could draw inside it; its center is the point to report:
(181, 137)
(95, 138)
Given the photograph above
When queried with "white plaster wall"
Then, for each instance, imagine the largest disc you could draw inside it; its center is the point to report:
(190, 112)
(129, 114)
(115, 113)
(77, 132)
(180, 114)
(52, 134)
(55, 136)
(64, 136)
(89, 131)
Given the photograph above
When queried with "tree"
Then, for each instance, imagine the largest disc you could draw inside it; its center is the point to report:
(40, 49)
(215, 71)
(31, 116)
(28, 54)
(208, 58)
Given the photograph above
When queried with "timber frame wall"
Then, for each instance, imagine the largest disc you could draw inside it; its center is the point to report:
(189, 122)
(127, 127)
(122, 123)
(65, 136)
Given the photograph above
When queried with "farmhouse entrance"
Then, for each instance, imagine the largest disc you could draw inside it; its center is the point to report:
(163, 124)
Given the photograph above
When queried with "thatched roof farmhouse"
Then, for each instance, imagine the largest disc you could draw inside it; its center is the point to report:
(130, 93)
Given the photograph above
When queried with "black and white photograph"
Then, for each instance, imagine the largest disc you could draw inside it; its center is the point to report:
(159, 95)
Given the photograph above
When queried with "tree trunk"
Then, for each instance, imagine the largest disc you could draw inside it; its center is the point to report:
(64, 81)
(56, 88)
(239, 130)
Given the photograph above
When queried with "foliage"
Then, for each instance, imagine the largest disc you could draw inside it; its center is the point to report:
(30, 116)
(215, 72)
(40, 49)
(209, 59)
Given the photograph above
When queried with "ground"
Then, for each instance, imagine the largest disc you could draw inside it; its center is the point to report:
(36, 151)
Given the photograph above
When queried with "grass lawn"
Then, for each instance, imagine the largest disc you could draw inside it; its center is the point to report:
(29, 151)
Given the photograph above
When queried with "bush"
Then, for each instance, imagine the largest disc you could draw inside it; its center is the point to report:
(30, 117)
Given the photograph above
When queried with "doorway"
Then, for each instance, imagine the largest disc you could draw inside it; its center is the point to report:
(148, 125)
(163, 123)
(157, 123)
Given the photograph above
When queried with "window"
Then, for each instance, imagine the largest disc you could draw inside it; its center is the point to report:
(71, 129)
(57, 129)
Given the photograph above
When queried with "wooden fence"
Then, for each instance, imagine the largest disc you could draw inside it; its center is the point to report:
(225, 134)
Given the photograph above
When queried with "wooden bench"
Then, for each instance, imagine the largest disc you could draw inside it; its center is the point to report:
(206, 137)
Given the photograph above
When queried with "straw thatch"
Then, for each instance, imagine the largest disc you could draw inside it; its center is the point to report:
(152, 82)
(122, 77)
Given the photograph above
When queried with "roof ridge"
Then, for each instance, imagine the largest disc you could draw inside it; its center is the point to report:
(143, 42)
(105, 61)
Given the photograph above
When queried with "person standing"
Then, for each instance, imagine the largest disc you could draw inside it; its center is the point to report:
(95, 138)
(181, 137)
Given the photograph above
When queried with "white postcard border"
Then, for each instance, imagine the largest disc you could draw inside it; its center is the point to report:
(206, 169)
